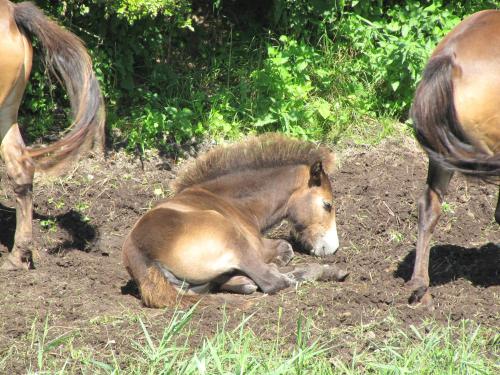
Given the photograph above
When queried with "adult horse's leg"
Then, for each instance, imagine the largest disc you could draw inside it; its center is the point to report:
(497, 210)
(429, 211)
(15, 67)
(20, 172)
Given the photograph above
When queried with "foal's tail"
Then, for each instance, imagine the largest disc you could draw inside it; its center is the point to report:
(67, 58)
(437, 127)
(157, 292)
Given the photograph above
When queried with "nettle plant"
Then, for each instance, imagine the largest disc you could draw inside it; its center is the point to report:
(163, 126)
(285, 89)
(395, 48)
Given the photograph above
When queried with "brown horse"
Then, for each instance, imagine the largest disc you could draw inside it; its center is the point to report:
(209, 235)
(66, 56)
(456, 115)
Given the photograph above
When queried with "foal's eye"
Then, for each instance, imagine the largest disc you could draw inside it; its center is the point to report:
(327, 206)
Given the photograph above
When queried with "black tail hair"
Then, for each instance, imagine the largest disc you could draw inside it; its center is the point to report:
(68, 60)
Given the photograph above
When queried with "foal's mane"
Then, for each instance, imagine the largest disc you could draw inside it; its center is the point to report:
(264, 151)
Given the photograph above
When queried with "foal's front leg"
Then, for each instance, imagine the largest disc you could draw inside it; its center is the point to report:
(20, 172)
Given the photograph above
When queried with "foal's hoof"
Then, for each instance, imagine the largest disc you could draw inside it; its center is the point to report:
(285, 253)
(248, 289)
(307, 272)
(319, 272)
(333, 273)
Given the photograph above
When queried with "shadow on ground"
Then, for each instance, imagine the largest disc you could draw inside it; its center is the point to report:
(81, 235)
(449, 262)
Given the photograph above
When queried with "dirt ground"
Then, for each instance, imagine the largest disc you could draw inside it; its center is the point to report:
(81, 284)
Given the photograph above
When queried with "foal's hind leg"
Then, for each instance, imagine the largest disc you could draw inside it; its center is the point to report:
(429, 211)
(266, 276)
(239, 284)
(279, 252)
(20, 172)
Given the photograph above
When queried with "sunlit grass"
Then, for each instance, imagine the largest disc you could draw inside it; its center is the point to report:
(463, 348)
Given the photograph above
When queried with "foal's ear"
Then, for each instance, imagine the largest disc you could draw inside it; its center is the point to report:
(329, 163)
(315, 173)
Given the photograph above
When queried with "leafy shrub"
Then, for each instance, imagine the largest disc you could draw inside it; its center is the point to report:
(394, 50)
(283, 90)
(174, 70)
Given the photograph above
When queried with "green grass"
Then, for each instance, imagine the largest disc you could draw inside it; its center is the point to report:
(463, 348)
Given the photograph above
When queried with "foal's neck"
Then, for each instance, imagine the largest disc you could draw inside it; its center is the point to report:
(262, 194)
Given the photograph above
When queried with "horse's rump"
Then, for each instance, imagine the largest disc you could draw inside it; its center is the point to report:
(434, 113)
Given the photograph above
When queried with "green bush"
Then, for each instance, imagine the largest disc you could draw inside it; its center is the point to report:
(177, 70)
(394, 50)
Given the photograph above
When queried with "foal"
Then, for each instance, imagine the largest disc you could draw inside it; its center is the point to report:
(209, 235)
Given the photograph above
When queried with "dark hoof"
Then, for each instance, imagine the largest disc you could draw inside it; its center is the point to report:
(280, 284)
(285, 253)
(417, 294)
(307, 272)
(333, 273)
(421, 296)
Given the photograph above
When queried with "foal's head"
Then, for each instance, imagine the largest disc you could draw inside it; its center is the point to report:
(312, 212)
(309, 208)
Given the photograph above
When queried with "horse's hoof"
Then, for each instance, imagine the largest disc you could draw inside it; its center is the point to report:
(427, 301)
(285, 253)
(417, 294)
(14, 264)
(248, 288)
(307, 272)
(290, 281)
(333, 273)
(421, 296)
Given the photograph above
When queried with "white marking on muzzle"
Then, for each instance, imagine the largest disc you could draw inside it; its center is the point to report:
(328, 243)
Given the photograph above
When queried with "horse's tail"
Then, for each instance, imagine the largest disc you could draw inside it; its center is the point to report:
(437, 127)
(67, 58)
(158, 292)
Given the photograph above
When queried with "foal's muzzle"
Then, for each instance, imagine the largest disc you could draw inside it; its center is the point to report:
(324, 243)
(327, 244)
